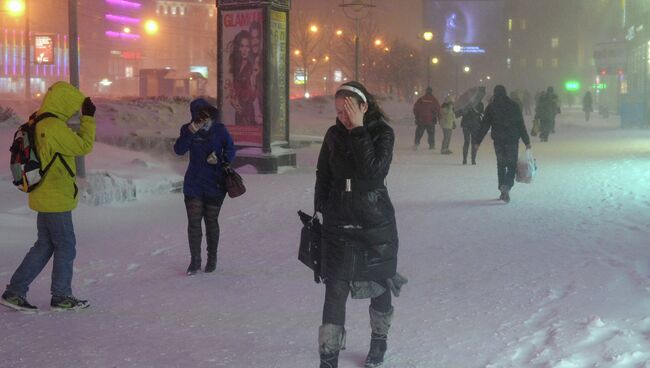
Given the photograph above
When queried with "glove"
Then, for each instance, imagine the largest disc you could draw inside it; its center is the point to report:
(213, 159)
(195, 127)
(88, 107)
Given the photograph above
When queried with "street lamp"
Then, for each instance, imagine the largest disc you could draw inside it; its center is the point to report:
(151, 27)
(17, 8)
(428, 37)
(356, 9)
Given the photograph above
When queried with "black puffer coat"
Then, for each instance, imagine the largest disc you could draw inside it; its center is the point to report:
(359, 231)
(505, 119)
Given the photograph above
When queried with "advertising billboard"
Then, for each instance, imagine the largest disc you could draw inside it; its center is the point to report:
(242, 75)
(44, 49)
(471, 23)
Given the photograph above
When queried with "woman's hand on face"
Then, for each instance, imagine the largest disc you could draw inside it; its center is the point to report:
(355, 112)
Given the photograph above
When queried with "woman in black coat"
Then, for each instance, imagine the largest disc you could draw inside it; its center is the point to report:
(359, 230)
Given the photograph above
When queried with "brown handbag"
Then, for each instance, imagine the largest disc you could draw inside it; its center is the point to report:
(234, 182)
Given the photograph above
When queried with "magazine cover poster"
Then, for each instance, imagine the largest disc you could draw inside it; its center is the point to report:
(242, 75)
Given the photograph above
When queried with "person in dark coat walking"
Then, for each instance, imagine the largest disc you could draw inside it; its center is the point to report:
(427, 114)
(587, 105)
(208, 143)
(359, 233)
(471, 123)
(547, 108)
(503, 116)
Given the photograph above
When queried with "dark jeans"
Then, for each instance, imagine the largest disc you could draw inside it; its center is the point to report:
(469, 136)
(507, 154)
(55, 239)
(547, 126)
(446, 138)
(431, 134)
(206, 209)
(336, 295)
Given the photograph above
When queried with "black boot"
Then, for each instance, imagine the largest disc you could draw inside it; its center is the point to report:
(211, 265)
(329, 360)
(212, 234)
(331, 340)
(195, 266)
(379, 324)
(474, 151)
(378, 348)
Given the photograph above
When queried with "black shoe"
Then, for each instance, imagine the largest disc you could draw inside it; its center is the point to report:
(67, 303)
(378, 347)
(432, 146)
(505, 193)
(329, 360)
(211, 265)
(473, 162)
(17, 302)
(464, 162)
(194, 267)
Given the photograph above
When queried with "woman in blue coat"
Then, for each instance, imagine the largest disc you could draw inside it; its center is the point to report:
(209, 143)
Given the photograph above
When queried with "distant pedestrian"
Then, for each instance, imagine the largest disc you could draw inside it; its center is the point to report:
(527, 102)
(471, 124)
(503, 116)
(447, 124)
(545, 111)
(209, 144)
(587, 105)
(359, 230)
(55, 198)
(427, 113)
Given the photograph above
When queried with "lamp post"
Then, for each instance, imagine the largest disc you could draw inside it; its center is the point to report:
(428, 37)
(15, 8)
(357, 10)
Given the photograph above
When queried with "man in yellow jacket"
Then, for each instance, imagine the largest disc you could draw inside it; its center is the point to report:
(55, 198)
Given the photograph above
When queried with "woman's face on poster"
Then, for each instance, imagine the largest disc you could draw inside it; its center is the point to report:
(245, 47)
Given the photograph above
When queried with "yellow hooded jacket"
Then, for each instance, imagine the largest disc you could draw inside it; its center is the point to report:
(57, 191)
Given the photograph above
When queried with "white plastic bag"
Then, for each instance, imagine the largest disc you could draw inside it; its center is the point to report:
(526, 167)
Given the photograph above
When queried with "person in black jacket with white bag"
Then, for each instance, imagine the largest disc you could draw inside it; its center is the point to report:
(359, 233)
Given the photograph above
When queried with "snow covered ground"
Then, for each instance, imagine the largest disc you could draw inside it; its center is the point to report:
(560, 277)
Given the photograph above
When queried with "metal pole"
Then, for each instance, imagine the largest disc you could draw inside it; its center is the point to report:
(356, 50)
(428, 72)
(73, 56)
(456, 90)
(28, 56)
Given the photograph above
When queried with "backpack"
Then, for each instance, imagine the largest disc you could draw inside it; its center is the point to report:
(25, 163)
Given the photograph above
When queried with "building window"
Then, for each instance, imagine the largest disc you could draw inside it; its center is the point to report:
(510, 24)
(173, 9)
(128, 72)
(165, 9)
(523, 24)
(540, 63)
(554, 62)
(182, 10)
(509, 43)
(523, 62)
(509, 63)
(555, 43)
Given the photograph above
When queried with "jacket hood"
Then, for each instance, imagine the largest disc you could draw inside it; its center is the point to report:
(500, 92)
(63, 100)
(201, 104)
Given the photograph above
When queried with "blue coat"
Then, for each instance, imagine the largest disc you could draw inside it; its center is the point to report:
(204, 180)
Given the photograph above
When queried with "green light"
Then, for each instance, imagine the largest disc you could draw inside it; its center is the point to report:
(572, 86)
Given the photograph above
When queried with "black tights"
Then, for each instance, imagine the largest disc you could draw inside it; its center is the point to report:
(336, 295)
(206, 209)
